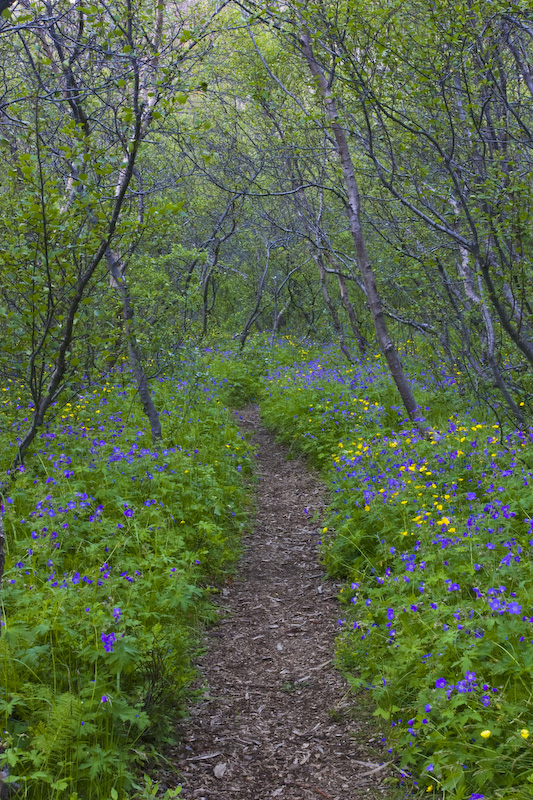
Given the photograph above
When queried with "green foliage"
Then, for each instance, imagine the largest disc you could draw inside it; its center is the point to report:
(151, 789)
(239, 378)
(114, 548)
(432, 536)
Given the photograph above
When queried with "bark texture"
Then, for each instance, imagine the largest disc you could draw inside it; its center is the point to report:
(354, 215)
(116, 271)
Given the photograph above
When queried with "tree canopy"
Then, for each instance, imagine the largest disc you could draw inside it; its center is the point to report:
(337, 169)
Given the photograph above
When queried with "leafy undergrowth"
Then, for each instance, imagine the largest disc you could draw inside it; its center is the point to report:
(434, 539)
(238, 374)
(113, 547)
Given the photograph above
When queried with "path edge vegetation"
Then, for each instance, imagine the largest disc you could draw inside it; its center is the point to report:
(434, 618)
(115, 551)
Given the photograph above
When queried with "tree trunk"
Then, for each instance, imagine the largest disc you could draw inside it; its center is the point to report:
(348, 307)
(337, 324)
(354, 215)
(116, 270)
(301, 197)
(252, 318)
(476, 297)
(278, 318)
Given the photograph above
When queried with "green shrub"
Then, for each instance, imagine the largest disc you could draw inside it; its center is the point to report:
(113, 548)
(433, 538)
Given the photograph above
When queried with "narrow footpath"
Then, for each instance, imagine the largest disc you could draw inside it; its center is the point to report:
(277, 720)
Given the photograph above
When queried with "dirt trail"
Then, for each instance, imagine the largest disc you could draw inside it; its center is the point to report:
(276, 721)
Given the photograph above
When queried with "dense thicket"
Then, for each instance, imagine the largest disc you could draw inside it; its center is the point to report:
(364, 169)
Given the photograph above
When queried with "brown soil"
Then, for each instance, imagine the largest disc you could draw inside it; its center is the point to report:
(277, 720)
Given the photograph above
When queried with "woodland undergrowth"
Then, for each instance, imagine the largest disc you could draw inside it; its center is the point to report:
(114, 548)
(433, 538)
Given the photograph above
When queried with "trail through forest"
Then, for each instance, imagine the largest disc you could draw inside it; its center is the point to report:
(277, 720)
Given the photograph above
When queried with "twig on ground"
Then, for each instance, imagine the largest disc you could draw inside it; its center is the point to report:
(203, 757)
(373, 771)
(313, 789)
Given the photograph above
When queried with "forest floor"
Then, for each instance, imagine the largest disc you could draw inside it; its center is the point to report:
(277, 719)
